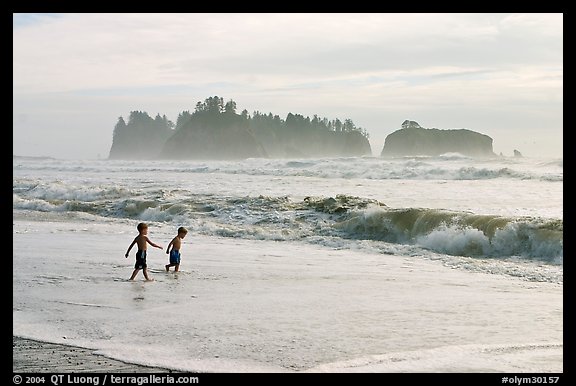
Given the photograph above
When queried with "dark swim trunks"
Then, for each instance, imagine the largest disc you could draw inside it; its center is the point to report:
(140, 260)
(174, 256)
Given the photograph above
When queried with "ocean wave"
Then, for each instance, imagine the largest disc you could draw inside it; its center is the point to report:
(460, 234)
(445, 167)
(285, 218)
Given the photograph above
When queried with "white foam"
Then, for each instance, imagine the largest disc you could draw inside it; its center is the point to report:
(536, 358)
(285, 289)
(262, 306)
(456, 241)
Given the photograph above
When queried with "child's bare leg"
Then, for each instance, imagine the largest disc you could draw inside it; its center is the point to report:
(145, 271)
(176, 267)
(167, 267)
(134, 274)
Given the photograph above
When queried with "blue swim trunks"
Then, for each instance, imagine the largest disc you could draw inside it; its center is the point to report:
(174, 257)
(140, 260)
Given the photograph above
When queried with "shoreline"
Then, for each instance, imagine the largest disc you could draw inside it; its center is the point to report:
(33, 356)
(259, 306)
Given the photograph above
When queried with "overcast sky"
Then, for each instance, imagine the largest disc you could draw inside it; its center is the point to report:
(498, 74)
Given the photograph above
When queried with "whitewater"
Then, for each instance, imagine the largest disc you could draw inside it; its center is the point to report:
(360, 264)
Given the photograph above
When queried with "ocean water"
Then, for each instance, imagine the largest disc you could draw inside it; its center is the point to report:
(442, 264)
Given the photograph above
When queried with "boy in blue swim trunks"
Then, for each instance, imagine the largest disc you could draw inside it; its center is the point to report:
(176, 244)
(141, 240)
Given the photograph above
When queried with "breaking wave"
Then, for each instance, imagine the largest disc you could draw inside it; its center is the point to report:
(284, 218)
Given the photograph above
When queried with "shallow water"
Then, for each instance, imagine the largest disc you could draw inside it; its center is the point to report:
(301, 265)
(248, 305)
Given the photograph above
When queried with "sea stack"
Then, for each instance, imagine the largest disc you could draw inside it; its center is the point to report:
(414, 140)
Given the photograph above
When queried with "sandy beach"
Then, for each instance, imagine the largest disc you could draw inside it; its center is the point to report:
(31, 356)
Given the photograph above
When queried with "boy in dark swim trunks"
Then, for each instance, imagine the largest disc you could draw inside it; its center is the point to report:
(141, 240)
(176, 244)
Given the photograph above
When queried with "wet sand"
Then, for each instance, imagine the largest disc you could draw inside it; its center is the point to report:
(31, 356)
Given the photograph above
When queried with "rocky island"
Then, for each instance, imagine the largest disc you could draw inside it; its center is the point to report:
(215, 131)
(414, 140)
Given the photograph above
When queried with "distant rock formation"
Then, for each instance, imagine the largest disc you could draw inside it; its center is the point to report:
(215, 131)
(317, 144)
(414, 140)
(224, 137)
(141, 138)
(517, 154)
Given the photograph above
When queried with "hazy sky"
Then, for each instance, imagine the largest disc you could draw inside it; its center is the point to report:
(498, 74)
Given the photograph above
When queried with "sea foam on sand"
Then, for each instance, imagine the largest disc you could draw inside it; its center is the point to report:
(265, 306)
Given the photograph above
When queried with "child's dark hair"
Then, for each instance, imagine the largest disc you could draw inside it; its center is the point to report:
(141, 226)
